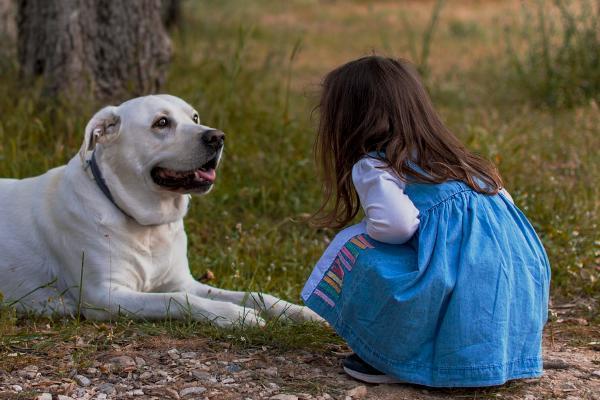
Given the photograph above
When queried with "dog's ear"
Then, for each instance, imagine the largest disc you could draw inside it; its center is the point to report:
(102, 128)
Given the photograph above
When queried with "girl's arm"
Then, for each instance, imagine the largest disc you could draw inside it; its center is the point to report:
(391, 216)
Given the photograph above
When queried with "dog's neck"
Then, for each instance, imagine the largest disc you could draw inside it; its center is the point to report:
(145, 207)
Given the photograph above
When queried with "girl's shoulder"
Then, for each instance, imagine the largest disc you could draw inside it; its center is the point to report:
(370, 161)
(369, 169)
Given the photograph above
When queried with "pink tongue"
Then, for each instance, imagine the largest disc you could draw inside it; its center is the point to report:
(209, 175)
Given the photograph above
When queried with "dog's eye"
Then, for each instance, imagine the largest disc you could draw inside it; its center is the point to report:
(161, 123)
(195, 118)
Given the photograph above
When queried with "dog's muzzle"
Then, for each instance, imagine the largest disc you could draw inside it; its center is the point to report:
(214, 139)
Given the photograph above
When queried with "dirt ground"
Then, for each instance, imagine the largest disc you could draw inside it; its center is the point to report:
(160, 367)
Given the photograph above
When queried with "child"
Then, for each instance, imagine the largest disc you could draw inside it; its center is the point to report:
(445, 282)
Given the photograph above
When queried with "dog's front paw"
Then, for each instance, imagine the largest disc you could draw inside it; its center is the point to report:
(227, 315)
(250, 317)
(297, 313)
(306, 314)
(238, 316)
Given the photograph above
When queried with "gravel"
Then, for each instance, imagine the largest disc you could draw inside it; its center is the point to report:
(165, 368)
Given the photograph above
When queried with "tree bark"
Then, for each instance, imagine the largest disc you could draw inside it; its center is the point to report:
(8, 29)
(105, 48)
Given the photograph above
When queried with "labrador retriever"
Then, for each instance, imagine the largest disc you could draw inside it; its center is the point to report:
(104, 234)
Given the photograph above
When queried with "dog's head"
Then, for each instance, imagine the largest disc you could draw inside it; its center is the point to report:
(152, 151)
(160, 141)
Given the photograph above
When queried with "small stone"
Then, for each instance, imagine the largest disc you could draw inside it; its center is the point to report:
(530, 397)
(172, 392)
(29, 372)
(107, 388)
(43, 396)
(201, 375)
(284, 397)
(596, 373)
(140, 361)
(101, 396)
(145, 375)
(124, 363)
(270, 371)
(192, 390)
(138, 392)
(82, 380)
(568, 387)
(556, 363)
(243, 375)
(63, 397)
(189, 354)
(17, 388)
(233, 368)
(228, 380)
(174, 354)
(358, 392)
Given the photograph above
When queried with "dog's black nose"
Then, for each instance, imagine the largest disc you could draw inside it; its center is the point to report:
(213, 138)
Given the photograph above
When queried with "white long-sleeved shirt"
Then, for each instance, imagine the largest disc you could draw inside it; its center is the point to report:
(391, 217)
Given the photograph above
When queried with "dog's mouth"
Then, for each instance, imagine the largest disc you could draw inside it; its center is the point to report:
(199, 178)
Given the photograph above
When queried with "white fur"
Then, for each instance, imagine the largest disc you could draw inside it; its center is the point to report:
(55, 226)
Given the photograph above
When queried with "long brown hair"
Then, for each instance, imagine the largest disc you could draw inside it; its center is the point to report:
(378, 104)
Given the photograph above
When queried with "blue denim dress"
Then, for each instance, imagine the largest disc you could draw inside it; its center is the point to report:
(462, 304)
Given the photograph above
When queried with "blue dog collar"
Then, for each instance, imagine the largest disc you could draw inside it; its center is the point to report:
(102, 183)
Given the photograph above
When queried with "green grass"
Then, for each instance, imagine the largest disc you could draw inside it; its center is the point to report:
(561, 64)
(252, 69)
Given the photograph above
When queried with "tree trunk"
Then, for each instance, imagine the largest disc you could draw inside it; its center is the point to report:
(8, 29)
(104, 48)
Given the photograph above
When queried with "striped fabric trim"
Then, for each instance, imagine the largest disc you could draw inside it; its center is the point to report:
(324, 297)
(330, 286)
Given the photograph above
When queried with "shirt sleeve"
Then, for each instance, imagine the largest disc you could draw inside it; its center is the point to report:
(391, 217)
(508, 196)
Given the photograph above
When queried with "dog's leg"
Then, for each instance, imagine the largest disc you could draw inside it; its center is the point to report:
(178, 305)
(274, 307)
(46, 302)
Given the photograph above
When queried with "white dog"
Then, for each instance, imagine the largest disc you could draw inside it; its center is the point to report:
(104, 234)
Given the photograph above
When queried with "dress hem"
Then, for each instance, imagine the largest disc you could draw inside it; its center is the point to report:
(413, 373)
